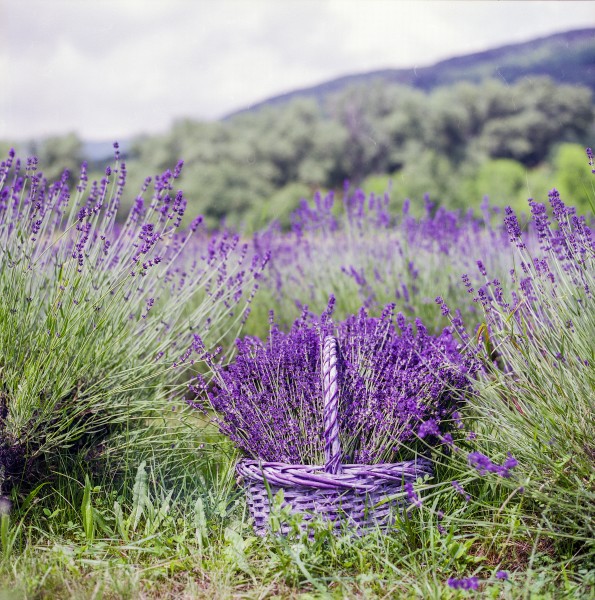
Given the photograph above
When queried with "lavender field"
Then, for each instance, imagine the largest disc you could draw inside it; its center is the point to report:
(142, 355)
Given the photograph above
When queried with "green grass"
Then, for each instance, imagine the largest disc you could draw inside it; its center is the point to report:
(192, 539)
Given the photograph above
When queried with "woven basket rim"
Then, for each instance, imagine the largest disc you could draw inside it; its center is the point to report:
(353, 476)
(280, 464)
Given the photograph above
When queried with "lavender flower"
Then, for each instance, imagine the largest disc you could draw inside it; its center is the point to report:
(467, 283)
(512, 226)
(457, 486)
(412, 496)
(427, 428)
(466, 583)
(484, 465)
(443, 307)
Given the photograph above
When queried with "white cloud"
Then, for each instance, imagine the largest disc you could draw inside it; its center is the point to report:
(114, 68)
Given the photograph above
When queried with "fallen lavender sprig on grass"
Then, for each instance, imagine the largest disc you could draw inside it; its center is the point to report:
(465, 583)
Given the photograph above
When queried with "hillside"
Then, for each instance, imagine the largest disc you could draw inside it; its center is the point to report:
(567, 57)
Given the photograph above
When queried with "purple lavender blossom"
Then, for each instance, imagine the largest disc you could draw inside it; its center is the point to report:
(466, 583)
(467, 283)
(448, 440)
(443, 307)
(412, 496)
(427, 428)
(513, 227)
(484, 465)
(457, 486)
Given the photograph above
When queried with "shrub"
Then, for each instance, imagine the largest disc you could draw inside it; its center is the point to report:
(94, 314)
(536, 393)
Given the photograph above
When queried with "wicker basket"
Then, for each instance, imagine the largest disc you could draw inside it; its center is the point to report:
(346, 494)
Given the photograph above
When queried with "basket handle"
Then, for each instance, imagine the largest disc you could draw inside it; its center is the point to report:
(330, 382)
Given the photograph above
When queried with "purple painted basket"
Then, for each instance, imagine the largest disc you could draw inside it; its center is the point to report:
(345, 494)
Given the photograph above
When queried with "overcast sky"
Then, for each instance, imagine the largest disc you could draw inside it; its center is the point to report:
(108, 69)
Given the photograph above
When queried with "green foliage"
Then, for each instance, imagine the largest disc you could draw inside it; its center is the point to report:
(193, 541)
(86, 350)
(430, 174)
(571, 178)
(57, 153)
(278, 207)
(430, 142)
(503, 181)
(539, 114)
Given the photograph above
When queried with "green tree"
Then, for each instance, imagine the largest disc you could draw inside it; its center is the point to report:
(277, 207)
(572, 176)
(504, 181)
(57, 153)
(542, 114)
(361, 111)
(429, 173)
(447, 143)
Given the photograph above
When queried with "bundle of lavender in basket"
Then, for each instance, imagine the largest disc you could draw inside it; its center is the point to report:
(396, 385)
(321, 411)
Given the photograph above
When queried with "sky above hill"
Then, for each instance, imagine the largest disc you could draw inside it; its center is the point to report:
(109, 69)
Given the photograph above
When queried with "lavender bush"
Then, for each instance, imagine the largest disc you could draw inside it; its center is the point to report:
(396, 384)
(536, 391)
(94, 314)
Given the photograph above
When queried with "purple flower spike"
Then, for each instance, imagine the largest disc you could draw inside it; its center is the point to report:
(466, 583)
(457, 486)
(484, 465)
(513, 227)
(510, 462)
(412, 495)
(427, 428)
